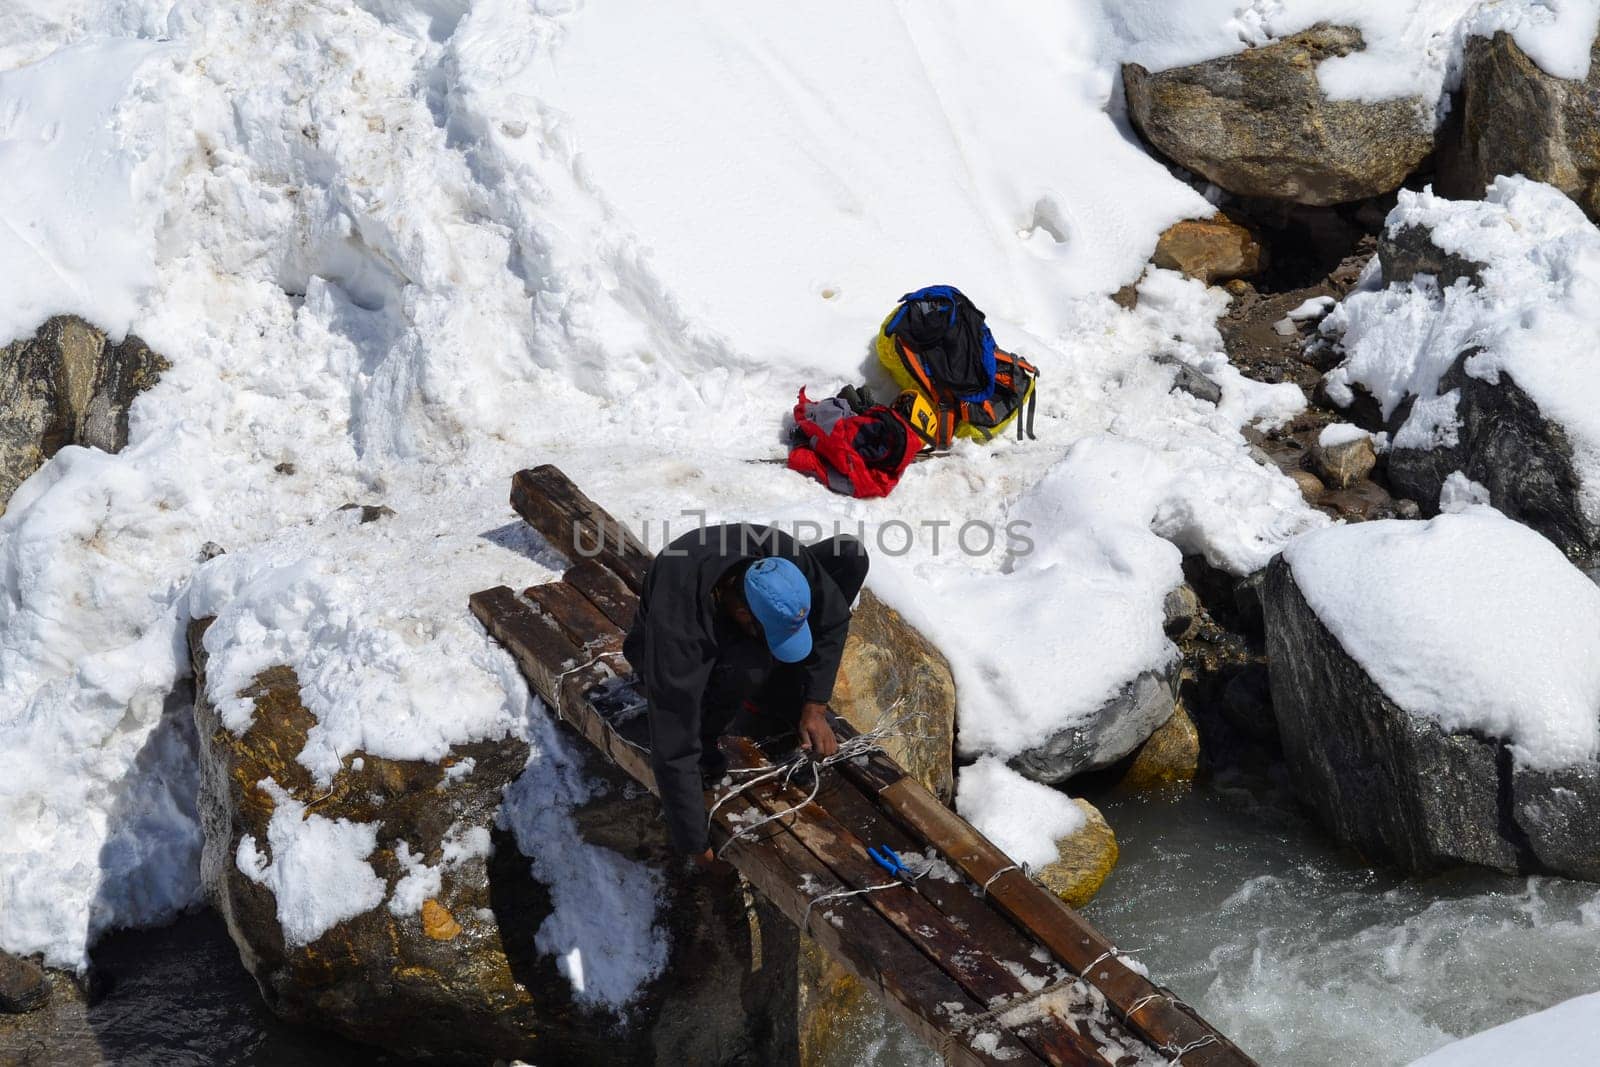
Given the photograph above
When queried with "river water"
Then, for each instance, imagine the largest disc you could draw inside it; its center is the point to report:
(1307, 958)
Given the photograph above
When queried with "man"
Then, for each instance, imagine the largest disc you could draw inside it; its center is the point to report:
(732, 615)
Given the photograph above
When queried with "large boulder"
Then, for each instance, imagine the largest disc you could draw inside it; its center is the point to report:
(67, 385)
(1505, 443)
(1481, 765)
(1258, 124)
(1113, 731)
(892, 676)
(393, 908)
(1515, 118)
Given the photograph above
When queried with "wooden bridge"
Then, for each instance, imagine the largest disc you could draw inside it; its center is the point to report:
(983, 963)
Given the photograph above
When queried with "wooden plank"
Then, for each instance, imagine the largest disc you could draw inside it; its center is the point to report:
(604, 589)
(576, 526)
(971, 964)
(1155, 1013)
(582, 623)
(923, 997)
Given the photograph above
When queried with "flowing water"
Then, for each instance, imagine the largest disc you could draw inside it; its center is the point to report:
(1306, 958)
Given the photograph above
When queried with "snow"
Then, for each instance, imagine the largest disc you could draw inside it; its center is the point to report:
(1562, 1036)
(1460, 492)
(1023, 818)
(1340, 433)
(316, 868)
(75, 235)
(396, 251)
(1533, 318)
(1311, 308)
(1469, 620)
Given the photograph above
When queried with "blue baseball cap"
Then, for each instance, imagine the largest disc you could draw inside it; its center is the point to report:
(780, 598)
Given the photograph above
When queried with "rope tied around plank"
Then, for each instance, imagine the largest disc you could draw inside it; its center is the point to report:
(861, 745)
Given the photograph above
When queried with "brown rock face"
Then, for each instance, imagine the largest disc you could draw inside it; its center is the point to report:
(889, 670)
(66, 385)
(1345, 464)
(1516, 119)
(1170, 756)
(1258, 124)
(1086, 859)
(460, 979)
(1212, 250)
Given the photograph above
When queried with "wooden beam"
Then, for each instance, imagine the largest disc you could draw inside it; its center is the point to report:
(576, 526)
(576, 617)
(1155, 1013)
(947, 947)
(605, 591)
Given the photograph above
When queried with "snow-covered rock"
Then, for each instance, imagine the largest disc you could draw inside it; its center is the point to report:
(1519, 116)
(394, 900)
(1259, 123)
(1437, 689)
(1472, 344)
(66, 385)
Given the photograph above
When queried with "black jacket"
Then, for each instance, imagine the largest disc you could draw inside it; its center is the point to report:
(673, 646)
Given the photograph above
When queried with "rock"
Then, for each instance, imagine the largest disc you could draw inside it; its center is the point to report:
(1409, 251)
(1311, 487)
(286, 469)
(889, 670)
(1361, 502)
(369, 512)
(1346, 463)
(1212, 250)
(1506, 444)
(460, 976)
(24, 986)
(1085, 860)
(1397, 788)
(1181, 612)
(1517, 119)
(1170, 756)
(1258, 124)
(1126, 298)
(1112, 732)
(1196, 384)
(67, 385)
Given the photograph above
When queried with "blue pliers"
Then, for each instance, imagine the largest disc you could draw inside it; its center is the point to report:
(885, 857)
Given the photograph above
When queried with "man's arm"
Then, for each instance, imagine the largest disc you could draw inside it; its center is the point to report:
(676, 670)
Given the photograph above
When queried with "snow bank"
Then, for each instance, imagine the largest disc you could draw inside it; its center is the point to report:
(75, 236)
(1024, 819)
(1469, 620)
(1413, 47)
(1562, 1036)
(395, 251)
(1534, 317)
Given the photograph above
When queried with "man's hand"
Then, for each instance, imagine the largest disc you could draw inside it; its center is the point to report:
(816, 736)
(707, 863)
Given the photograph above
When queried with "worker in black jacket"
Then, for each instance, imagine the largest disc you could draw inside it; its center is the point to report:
(732, 615)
